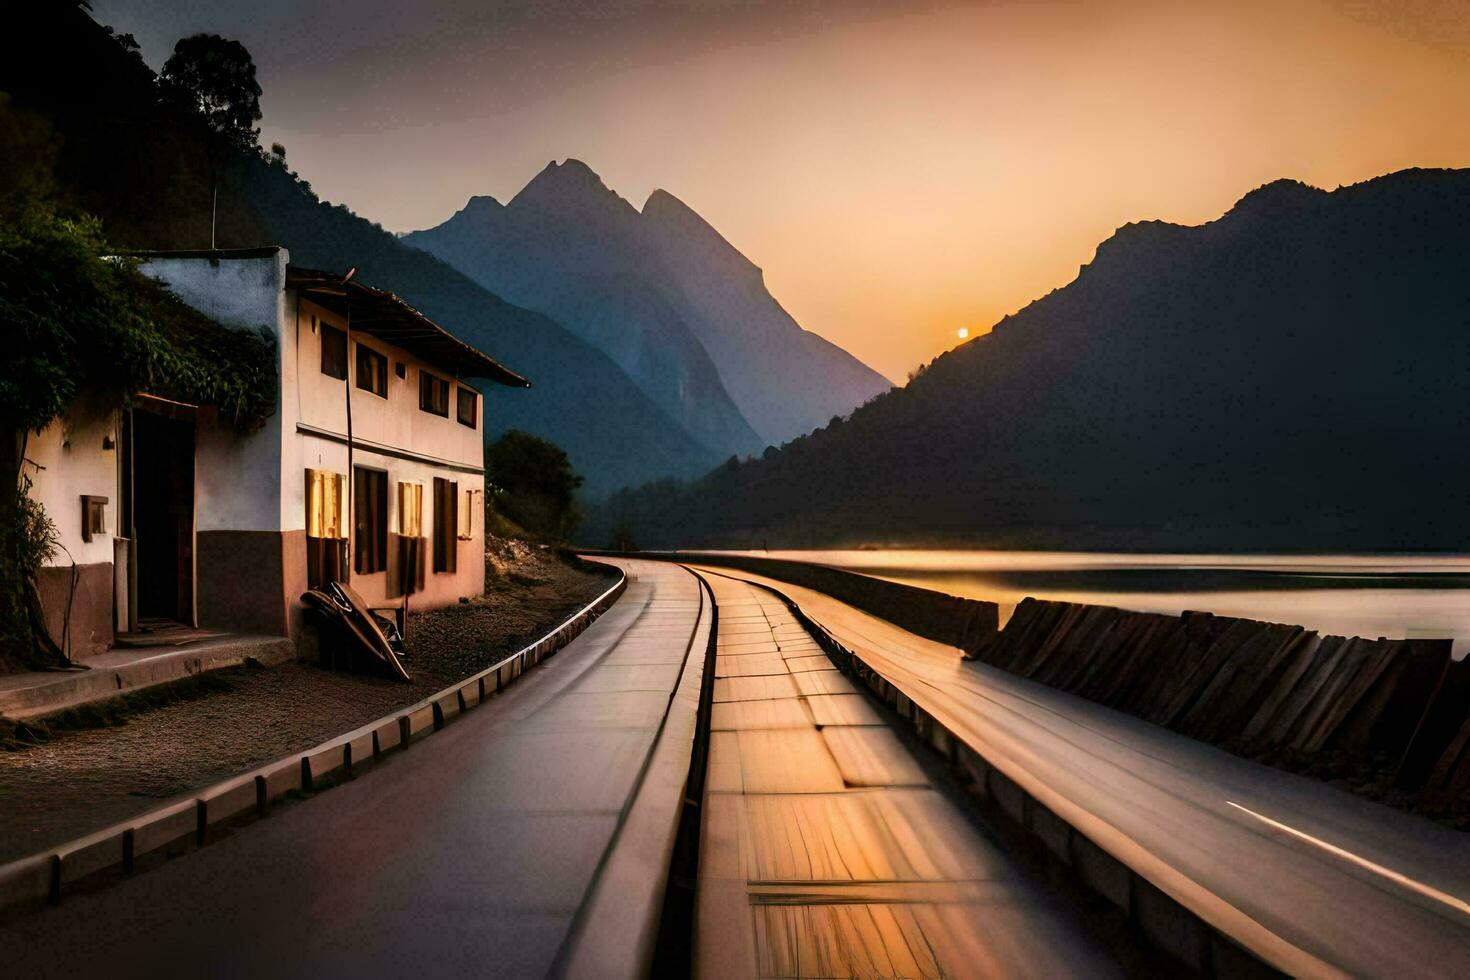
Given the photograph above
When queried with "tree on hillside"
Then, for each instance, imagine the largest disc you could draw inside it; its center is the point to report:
(534, 484)
(214, 78)
(79, 323)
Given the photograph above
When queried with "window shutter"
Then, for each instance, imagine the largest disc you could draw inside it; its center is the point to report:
(446, 525)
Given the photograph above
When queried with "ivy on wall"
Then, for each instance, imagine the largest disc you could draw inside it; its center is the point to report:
(74, 320)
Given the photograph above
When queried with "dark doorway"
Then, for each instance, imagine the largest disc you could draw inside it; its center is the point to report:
(163, 515)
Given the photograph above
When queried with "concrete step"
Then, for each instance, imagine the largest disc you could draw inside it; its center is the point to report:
(35, 695)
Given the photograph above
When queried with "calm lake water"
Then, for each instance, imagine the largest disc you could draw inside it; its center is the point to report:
(1351, 595)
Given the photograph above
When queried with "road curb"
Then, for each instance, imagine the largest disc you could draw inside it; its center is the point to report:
(619, 927)
(41, 879)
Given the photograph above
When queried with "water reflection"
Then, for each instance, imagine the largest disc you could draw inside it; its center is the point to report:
(1352, 595)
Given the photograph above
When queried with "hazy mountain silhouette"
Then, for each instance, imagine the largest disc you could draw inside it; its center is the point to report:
(1289, 376)
(559, 247)
(678, 307)
(140, 167)
(787, 380)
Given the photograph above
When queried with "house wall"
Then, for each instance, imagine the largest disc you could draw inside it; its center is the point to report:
(238, 477)
(442, 447)
(250, 500)
(440, 588)
(249, 496)
(247, 557)
(66, 460)
(393, 421)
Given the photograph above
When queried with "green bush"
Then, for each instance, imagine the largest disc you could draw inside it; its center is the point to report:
(532, 484)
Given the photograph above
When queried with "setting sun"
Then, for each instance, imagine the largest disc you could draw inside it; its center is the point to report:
(963, 332)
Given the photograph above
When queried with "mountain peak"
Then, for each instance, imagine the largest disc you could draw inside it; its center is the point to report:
(661, 202)
(1278, 195)
(678, 223)
(570, 175)
(570, 186)
(480, 205)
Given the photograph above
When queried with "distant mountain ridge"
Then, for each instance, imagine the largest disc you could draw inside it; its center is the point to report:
(679, 308)
(558, 247)
(1288, 376)
(127, 159)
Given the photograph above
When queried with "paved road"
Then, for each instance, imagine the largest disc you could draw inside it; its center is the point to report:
(825, 852)
(1314, 878)
(467, 855)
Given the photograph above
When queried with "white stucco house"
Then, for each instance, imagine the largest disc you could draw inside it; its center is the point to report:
(370, 470)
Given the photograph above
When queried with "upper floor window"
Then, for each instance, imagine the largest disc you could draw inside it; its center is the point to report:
(467, 410)
(334, 352)
(372, 371)
(433, 394)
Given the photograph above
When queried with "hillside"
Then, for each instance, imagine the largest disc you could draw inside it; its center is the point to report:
(1289, 376)
(121, 156)
(560, 247)
(668, 298)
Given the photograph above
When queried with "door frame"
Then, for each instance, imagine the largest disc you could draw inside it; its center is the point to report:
(182, 412)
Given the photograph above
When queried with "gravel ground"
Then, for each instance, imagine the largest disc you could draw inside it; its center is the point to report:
(82, 780)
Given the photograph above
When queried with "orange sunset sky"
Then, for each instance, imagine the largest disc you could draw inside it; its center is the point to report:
(898, 170)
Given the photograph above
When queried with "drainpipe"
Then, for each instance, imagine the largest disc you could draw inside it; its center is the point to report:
(132, 523)
(351, 472)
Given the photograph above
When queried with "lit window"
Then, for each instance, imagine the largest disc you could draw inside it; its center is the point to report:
(467, 516)
(326, 500)
(326, 535)
(411, 510)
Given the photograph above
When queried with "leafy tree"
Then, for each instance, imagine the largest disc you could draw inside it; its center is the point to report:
(534, 484)
(214, 78)
(77, 322)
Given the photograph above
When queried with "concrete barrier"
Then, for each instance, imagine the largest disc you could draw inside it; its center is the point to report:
(419, 722)
(26, 884)
(280, 779)
(230, 800)
(168, 828)
(87, 857)
(322, 764)
(31, 882)
(1251, 686)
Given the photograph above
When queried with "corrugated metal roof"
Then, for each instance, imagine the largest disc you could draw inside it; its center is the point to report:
(388, 317)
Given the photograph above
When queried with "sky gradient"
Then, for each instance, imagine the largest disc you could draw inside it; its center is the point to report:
(899, 170)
